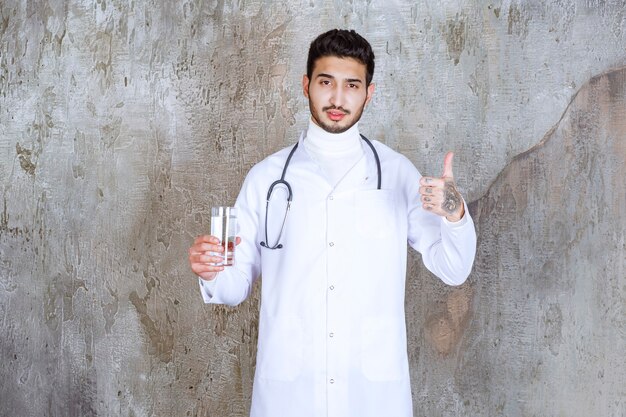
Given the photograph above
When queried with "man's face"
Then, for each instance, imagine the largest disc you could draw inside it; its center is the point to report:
(337, 93)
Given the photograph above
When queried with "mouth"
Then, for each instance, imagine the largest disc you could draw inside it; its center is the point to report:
(336, 114)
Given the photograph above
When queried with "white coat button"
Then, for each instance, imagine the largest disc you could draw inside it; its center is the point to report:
(332, 381)
(331, 334)
(332, 287)
(331, 197)
(331, 244)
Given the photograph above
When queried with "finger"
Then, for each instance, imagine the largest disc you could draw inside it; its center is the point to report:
(205, 247)
(447, 165)
(431, 191)
(431, 182)
(428, 199)
(205, 258)
(206, 239)
(200, 269)
(201, 239)
(237, 240)
(202, 248)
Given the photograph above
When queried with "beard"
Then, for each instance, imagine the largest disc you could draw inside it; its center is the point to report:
(335, 127)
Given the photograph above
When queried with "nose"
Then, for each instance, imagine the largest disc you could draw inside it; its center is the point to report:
(337, 98)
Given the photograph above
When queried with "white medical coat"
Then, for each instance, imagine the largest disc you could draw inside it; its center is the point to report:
(332, 337)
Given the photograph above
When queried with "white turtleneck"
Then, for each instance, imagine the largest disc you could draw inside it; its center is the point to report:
(335, 153)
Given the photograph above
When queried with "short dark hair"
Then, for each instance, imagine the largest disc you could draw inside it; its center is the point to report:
(342, 43)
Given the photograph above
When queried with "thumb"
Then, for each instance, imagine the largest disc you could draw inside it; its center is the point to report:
(447, 165)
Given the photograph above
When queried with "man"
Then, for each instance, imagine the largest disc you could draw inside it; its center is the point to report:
(332, 338)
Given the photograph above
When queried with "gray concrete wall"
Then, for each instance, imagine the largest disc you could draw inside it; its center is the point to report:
(121, 123)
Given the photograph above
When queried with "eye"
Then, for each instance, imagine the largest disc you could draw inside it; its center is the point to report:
(325, 82)
(352, 85)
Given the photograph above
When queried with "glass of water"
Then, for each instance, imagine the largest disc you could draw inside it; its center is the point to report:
(224, 227)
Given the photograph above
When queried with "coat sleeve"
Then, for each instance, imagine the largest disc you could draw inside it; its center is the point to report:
(447, 248)
(234, 284)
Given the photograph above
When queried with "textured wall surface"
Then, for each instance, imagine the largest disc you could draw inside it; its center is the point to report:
(121, 123)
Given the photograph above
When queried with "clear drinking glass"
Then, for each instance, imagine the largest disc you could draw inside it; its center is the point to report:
(224, 227)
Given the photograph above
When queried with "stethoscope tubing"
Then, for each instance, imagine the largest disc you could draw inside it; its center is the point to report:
(284, 182)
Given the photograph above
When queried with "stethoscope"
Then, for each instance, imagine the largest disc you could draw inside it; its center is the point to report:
(283, 182)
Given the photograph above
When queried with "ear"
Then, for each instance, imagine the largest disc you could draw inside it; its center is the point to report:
(305, 85)
(370, 93)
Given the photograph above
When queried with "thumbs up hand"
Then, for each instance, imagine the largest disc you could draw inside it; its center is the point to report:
(440, 196)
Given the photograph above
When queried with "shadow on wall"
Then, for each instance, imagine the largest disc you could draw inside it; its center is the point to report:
(549, 280)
